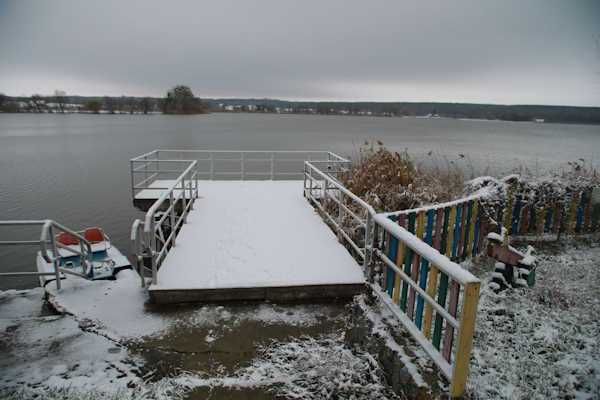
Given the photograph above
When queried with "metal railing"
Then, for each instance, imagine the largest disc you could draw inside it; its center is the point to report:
(152, 238)
(417, 278)
(224, 164)
(349, 215)
(174, 175)
(49, 249)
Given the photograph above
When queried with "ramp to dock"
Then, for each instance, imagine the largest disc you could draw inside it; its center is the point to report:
(255, 240)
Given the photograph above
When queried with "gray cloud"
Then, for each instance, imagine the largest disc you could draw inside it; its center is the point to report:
(510, 52)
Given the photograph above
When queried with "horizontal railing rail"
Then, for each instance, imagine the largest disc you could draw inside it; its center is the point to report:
(164, 164)
(174, 174)
(49, 249)
(173, 177)
(153, 237)
(337, 205)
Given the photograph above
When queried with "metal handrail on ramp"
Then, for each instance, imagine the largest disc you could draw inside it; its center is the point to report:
(46, 242)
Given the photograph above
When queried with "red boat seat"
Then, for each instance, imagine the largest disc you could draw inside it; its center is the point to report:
(94, 235)
(67, 239)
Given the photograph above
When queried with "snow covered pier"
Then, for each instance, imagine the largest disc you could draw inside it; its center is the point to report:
(238, 239)
(232, 225)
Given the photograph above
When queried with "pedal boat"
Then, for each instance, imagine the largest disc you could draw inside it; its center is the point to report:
(106, 259)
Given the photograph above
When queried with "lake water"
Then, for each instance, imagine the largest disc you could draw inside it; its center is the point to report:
(74, 168)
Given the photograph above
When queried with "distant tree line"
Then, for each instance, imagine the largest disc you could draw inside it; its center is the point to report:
(559, 114)
(181, 100)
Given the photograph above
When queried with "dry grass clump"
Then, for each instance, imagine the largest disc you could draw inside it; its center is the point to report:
(391, 181)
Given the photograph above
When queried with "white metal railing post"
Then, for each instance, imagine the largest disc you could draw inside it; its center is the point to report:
(173, 223)
(310, 180)
(157, 158)
(151, 248)
(340, 208)
(55, 258)
(212, 166)
(183, 200)
(272, 166)
(131, 167)
(242, 163)
(304, 180)
(368, 241)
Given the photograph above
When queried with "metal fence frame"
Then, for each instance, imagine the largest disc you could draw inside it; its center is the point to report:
(149, 241)
(47, 241)
(320, 187)
(153, 165)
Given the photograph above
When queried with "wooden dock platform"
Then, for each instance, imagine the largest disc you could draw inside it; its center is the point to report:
(254, 240)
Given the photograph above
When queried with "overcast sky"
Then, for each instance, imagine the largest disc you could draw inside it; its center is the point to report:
(511, 52)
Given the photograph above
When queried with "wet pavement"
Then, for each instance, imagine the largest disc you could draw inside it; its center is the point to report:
(218, 340)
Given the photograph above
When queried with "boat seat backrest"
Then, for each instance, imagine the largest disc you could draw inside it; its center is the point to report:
(94, 235)
(67, 239)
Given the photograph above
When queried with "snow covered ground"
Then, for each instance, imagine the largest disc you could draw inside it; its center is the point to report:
(542, 342)
(108, 344)
(41, 350)
(532, 343)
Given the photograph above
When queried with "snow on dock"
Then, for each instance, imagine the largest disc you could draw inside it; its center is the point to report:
(255, 240)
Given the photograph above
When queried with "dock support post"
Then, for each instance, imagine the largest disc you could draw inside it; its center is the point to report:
(172, 218)
(368, 241)
(242, 162)
(55, 258)
(212, 167)
(152, 249)
(273, 167)
(131, 167)
(184, 200)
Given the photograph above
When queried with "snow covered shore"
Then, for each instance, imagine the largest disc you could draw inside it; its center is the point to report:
(531, 343)
(542, 342)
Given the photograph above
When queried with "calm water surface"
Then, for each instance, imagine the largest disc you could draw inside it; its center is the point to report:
(74, 168)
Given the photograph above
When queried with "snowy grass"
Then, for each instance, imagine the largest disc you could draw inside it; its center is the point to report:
(305, 368)
(311, 368)
(67, 394)
(542, 342)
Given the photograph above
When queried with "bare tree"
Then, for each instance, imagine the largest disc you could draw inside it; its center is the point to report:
(93, 106)
(146, 104)
(109, 104)
(60, 98)
(37, 103)
(132, 104)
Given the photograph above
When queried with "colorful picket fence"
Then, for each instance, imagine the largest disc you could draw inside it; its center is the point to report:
(456, 229)
(576, 213)
(434, 297)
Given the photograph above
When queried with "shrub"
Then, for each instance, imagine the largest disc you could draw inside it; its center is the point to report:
(391, 181)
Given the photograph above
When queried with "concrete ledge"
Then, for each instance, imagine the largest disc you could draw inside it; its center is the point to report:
(276, 294)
